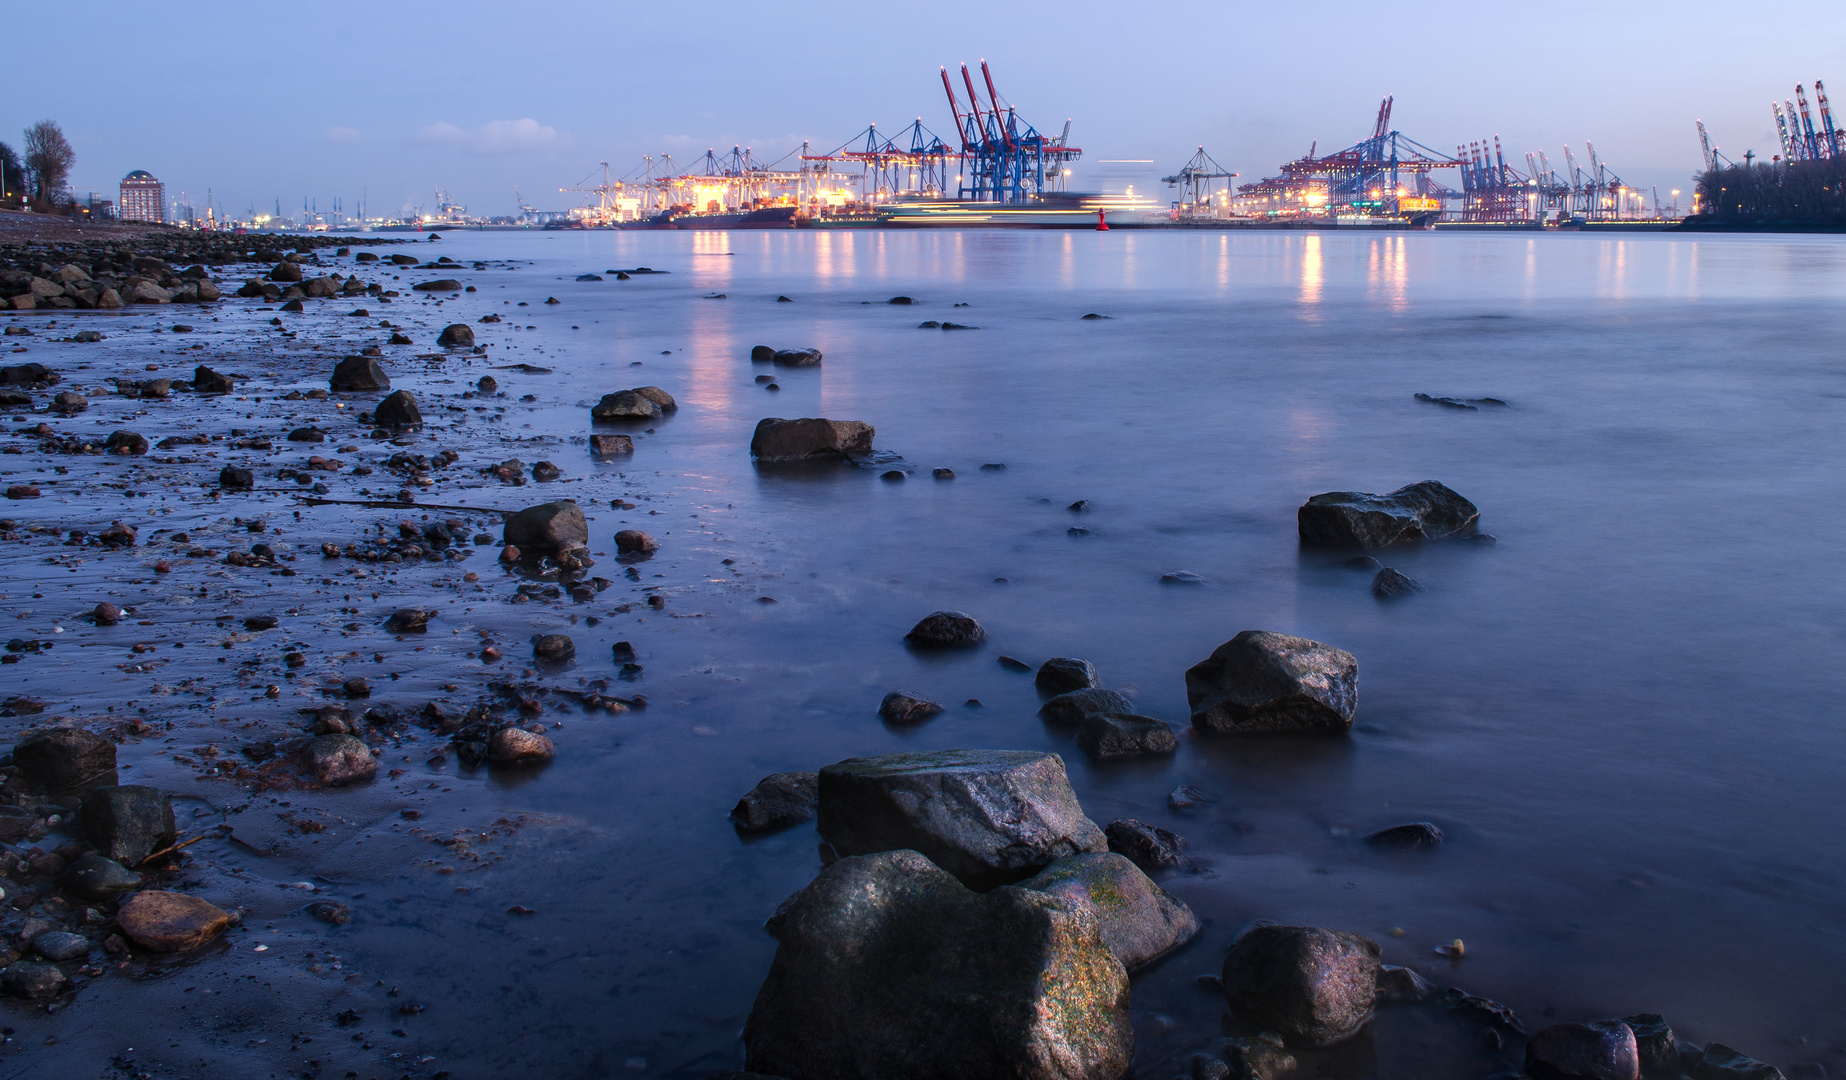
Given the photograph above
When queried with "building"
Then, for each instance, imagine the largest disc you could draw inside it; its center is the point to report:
(143, 198)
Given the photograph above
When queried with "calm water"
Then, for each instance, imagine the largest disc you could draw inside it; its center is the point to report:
(1625, 716)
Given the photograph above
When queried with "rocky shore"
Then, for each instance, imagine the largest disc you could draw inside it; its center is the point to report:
(316, 590)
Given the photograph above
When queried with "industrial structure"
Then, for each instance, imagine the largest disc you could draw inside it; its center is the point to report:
(1197, 180)
(1801, 141)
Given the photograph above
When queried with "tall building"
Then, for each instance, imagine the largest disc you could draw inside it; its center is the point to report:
(143, 197)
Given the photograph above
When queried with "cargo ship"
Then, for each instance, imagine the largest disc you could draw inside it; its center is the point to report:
(681, 217)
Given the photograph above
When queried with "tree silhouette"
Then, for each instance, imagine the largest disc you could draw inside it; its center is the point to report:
(12, 175)
(48, 158)
(1779, 193)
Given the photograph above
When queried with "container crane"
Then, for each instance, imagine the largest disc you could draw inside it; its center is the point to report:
(1807, 125)
(1829, 136)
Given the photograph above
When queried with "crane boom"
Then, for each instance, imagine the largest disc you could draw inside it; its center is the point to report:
(1807, 124)
(960, 128)
(1781, 126)
(1711, 161)
(1829, 136)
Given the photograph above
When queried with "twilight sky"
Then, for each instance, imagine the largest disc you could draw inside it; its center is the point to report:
(264, 101)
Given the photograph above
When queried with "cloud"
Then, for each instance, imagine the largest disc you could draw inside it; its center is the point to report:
(342, 135)
(493, 138)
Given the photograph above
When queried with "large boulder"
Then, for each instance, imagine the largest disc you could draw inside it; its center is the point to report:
(1266, 682)
(1062, 674)
(1315, 987)
(456, 336)
(1600, 1051)
(63, 759)
(285, 271)
(889, 969)
(986, 816)
(1138, 918)
(1347, 519)
(128, 823)
(552, 526)
(626, 405)
(398, 410)
(359, 373)
(810, 439)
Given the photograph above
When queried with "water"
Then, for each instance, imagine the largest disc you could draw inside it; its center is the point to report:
(1624, 715)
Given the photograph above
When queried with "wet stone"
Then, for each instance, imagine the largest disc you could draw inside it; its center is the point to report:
(61, 759)
(1138, 918)
(777, 801)
(31, 979)
(1598, 1051)
(331, 912)
(1719, 1062)
(1062, 674)
(635, 542)
(128, 823)
(553, 649)
(1390, 583)
(946, 630)
(61, 945)
(901, 707)
(1421, 511)
(94, 877)
(1315, 987)
(169, 921)
(409, 621)
(339, 760)
(1072, 708)
(1415, 836)
(1263, 682)
(1119, 736)
(1149, 847)
(550, 526)
(1402, 984)
(517, 746)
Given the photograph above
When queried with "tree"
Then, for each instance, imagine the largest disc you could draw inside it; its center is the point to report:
(48, 159)
(12, 175)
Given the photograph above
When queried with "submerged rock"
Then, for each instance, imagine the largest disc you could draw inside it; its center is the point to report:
(1653, 1038)
(1391, 583)
(1402, 984)
(1116, 736)
(128, 823)
(1413, 836)
(1266, 682)
(1315, 987)
(1062, 674)
(899, 707)
(986, 816)
(626, 405)
(1421, 511)
(1149, 847)
(1720, 1062)
(1598, 1051)
(889, 969)
(1138, 918)
(796, 357)
(517, 746)
(947, 630)
(777, 801)
(169, 921)
(810, 439)
(1074, 707)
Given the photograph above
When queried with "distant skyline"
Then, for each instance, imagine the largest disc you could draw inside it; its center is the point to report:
(386, 102)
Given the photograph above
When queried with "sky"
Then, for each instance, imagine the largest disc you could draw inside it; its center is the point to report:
(386, 101)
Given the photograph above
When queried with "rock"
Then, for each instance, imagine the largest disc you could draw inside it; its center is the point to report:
(517, 746)
(1402, 984)
(1266, 682)
(207, 381)
(1391, 583)
(589, 277)
(899, 707)
(943, 474)
(128, 823)
(15, 823)
(331, 912)
(986, 816)
(762, 354)
(26, 374)
(111, 300)
(658, 396)
(409, 620)
(626, 405)
(236, 479)
(777, 801)
(58, 946)
(438, 285)
(1720, 1062)
(172, 922)
(94, 877)
(285, 271)
(359, 374)
(1072, 708)
(456, 336)
(611, 445)
(1484, 1011)
(1315, 987)
(1422, 511)
(1599, 1051)
(400, 339)
(1187, 797)
(1149, 847)
(796, 357)
(554, 649)
(889, 969)
(398, 410)
(1116, 736)
(307, 434)
(22, 491)
(1654, 1042)
(551, 526)
(946, 630)
(126, 442)
(30, 979)
(338, 760)
(810, 439)
(900, 300)
(1138, 918)
(1181, 577)
(1062, 674)
(69, 403)
(635, 542)
(1411, 837)
(1257, 1057)
(106, 614)
(487, 384)
(63, 759)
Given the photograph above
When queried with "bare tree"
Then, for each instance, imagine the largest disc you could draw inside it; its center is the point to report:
(12, 176)
(48, 158)
(1785, 193)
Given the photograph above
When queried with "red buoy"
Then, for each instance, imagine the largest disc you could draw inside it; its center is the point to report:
(1102, 223)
